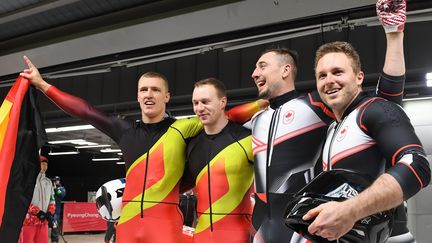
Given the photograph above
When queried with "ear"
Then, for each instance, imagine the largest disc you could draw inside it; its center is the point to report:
(167, 97)
(286, 71)
(223, 102)
(359, 78)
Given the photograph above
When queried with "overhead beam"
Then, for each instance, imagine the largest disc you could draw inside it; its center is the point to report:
(34, 9)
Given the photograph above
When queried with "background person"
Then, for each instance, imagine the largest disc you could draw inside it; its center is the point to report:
(41, 209)
(59, 194)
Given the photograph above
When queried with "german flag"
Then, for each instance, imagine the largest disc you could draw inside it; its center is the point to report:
(21, 136)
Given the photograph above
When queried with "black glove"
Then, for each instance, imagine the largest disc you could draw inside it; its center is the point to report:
(41, 215)
(50, 219)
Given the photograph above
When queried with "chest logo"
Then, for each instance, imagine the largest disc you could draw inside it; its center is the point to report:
(288, 117)
(366, 220)
(342, 134)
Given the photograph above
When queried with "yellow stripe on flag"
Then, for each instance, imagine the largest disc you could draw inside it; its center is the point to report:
(4, 119)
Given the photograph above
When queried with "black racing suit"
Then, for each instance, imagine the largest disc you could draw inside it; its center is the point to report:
(221, 167)
(375, 136)
(287, 142)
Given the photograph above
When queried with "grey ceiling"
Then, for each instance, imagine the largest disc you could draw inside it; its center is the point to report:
(30, 23)
(29, 16)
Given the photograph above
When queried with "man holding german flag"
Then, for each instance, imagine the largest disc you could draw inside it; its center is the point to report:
(21, 136)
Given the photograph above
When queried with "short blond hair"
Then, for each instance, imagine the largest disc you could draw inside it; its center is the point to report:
(340, 47)
(156, 75)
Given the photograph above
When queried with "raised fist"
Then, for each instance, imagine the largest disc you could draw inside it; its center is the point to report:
(392, 14)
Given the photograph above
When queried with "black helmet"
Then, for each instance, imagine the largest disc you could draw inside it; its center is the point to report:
(55, 178)
(338, 185)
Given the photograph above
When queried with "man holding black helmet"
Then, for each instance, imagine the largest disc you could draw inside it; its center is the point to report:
(371, 136)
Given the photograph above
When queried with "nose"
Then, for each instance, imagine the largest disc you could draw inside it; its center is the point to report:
(255, 74)
(148, 93)
(329, 79)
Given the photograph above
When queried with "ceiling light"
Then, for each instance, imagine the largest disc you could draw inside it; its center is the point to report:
(120, 154)
(51, 130)
(73, 141)
(85, 143)
(105, 159)
(120, 163)
(110, 150)
(93, 146)
(63, 153)
(69, 128)
(429, 79)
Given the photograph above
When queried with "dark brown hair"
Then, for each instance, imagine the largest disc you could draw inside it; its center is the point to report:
(286, 56)
(217, 84)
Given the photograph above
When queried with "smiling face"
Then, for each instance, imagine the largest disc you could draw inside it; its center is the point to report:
(152, 97)
(272, 75)
(209, 106)
(337, 83)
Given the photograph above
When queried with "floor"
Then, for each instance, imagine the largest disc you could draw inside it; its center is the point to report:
(83, 238)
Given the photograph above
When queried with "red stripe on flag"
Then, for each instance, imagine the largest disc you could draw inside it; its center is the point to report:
(7, 151)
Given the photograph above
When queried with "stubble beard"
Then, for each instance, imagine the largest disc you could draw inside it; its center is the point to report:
(265, 94)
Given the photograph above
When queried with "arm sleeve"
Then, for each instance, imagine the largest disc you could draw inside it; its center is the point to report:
(188, 127)
(242, 113)
(187, 181)
(81, 109)
(33, 209)
(390, 127)
(391, 88)
(51, 207)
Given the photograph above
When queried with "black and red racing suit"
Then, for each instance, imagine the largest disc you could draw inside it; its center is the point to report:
(154, 155)
(287, 142)
(221, 168)
(375, 136)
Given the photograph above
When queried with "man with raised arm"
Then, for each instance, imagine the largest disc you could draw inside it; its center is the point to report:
(288, 136)
(371, 136)
(154, 152)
